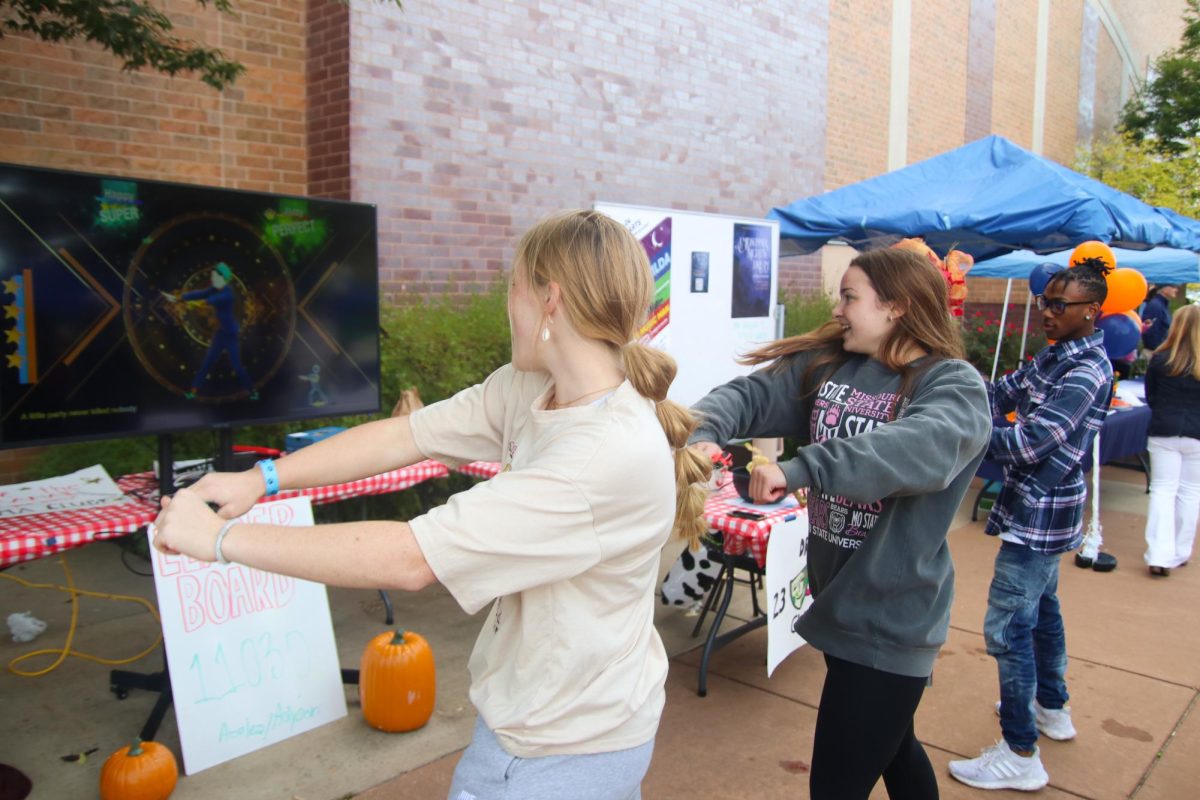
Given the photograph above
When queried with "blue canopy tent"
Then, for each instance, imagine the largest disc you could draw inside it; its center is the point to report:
(987, 198)
(1161, 265)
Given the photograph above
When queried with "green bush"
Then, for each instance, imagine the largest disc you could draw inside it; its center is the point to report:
(804, 312)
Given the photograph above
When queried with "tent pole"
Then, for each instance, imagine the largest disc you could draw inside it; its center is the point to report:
(1000, 332)
(1025, 329)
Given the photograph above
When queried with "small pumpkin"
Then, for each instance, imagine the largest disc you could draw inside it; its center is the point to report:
(140, 771)
(397, 681)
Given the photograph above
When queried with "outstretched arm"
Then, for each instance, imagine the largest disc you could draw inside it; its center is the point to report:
(364, 555)
(360, 452)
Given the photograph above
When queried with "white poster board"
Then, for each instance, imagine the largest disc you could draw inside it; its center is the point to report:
(716, 280)
(251, 654)
(787, 588)
(86, 488)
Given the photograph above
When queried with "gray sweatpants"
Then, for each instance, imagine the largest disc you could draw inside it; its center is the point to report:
(487, 772)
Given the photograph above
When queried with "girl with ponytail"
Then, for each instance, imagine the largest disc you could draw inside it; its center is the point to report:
(568, 672)
(893, 425)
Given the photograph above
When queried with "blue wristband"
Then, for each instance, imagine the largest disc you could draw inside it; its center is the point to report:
(270, 476)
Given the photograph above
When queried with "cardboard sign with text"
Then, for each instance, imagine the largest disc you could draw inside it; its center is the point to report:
(787, 588)
(251, 654)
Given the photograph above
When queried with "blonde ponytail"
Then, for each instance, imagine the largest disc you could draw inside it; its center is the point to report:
(650, 371)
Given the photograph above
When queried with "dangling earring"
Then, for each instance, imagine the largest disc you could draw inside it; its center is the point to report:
(1087, 316)
(545, 334)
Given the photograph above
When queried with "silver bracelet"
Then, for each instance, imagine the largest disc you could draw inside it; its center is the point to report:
(220, 538)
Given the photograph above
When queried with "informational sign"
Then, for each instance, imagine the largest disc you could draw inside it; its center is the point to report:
(251, 654)
(719, 303)
(86, 488)
(788, 595)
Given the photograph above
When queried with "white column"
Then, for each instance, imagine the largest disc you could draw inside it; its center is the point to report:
(898, 101)
(1039, 76)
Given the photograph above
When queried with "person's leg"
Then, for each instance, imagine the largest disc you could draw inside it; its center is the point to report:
(481, 771)
(1014, 600)
(910, 776)
(864, 719)
(1050, 647)
(487, 772)
(1187, 504)
(1165, 463)
(1013, 603)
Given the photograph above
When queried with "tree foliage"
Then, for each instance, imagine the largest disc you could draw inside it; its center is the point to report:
(133, 30)
(1166, 109)
(1138, 167)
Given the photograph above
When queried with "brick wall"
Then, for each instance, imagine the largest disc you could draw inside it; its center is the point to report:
(329, 99)
(1016, 58)
(981, 63)
(937, 82)
(856, 123)
(1059, 130)
(470, 120)
(1106, 106)
(71, 106)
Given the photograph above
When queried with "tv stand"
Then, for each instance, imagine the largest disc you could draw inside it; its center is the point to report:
(223, 460)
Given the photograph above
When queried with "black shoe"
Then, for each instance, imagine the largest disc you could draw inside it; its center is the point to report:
(1103, 562)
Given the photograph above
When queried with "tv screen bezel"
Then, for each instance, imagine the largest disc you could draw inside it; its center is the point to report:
(351, 410)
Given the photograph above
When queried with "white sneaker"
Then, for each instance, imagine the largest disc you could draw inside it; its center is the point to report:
(998, 767)
(1054, 723)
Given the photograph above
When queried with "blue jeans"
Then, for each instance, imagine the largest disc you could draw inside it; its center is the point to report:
(1024, 632)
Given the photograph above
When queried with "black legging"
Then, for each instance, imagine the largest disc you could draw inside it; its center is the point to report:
(865, 731)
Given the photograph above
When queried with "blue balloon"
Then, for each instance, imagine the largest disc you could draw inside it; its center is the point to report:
(1041, 275)
(1121, 334)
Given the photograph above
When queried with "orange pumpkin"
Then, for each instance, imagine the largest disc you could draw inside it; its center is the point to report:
(1093, 250)
(397, 681)
(140, 771)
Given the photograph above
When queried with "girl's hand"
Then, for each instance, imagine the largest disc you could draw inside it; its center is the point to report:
(234, 493)
(767, 484)
(707, 449)
(186, 525)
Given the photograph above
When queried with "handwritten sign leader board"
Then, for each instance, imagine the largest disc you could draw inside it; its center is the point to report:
(251, 653)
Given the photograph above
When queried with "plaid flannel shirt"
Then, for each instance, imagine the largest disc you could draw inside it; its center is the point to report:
(1060, 397)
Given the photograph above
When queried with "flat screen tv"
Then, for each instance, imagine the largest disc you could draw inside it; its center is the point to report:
(135, 307)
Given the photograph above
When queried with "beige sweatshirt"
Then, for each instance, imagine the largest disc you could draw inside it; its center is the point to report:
(566, 541)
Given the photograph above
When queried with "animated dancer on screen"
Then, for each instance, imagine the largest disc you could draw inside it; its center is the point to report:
(316, 395)
(225, 337)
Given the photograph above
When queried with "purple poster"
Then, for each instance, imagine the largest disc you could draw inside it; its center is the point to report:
(751, 270)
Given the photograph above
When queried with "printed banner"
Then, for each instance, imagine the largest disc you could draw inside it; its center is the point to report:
(658, 249)
(751, 271)
(251, 654)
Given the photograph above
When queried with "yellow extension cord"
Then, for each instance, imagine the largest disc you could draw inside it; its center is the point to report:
(66, 650)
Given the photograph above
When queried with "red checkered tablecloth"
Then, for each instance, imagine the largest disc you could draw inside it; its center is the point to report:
(383, 483)
(39, 535)
(480, 469)
(744, 535)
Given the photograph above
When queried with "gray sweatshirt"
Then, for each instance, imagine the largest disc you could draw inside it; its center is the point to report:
(881, 496)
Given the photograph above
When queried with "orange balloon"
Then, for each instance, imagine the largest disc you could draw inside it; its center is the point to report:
(1126, 289)
(1133, 315)
(1090, 250)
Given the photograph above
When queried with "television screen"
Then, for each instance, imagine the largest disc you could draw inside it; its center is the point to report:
(138, 307)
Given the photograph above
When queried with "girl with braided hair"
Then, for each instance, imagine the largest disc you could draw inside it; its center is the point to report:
(568, 672)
